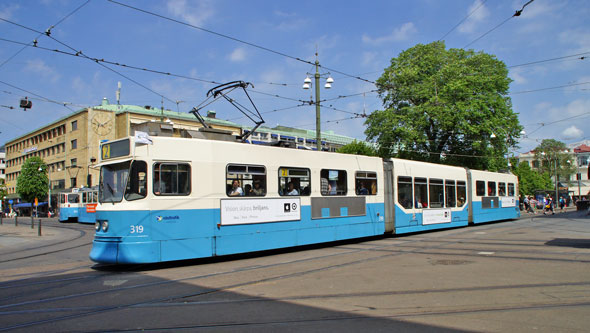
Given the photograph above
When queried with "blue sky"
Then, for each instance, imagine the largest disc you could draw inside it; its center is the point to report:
(353, 37)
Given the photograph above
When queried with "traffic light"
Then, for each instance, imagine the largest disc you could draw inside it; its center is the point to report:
(25, 104)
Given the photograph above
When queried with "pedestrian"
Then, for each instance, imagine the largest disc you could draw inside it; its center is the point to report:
(532, 204)
(548, 206)
(561, 204)
(526, 204)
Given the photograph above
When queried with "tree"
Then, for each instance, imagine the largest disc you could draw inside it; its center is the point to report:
(555, 158)
(443, 106)
(32, 183)
(358, 148)
(530, 180)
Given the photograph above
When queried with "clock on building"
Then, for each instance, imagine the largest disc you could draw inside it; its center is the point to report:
(102, 124)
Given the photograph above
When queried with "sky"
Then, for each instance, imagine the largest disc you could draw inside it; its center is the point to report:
(272, 45)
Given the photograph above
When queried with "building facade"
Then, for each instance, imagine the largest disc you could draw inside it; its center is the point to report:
(577, 185)
(70, 145)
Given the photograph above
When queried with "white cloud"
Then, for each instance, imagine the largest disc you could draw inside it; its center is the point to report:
(238, 55)
(516, 75)
(572, 133)
(6, 11)
(39, 67)
(398, 34)
(478, 16)
(193, 12)
(579, 38)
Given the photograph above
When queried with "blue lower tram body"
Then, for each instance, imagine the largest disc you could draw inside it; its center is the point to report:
(85, 217)
(154, 236)
(66, 213)
(184, 234)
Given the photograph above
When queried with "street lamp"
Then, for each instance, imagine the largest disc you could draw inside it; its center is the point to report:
(307, 85)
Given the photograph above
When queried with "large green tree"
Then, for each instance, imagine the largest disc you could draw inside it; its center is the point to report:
(445, 106)
(33, 182)
(555, 158)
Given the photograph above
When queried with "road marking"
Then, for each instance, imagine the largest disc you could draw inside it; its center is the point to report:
(114, 283)
(484, 253)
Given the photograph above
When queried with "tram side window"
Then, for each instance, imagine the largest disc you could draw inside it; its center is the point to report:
(480, 188)
(137, 182)
(491, 189)
(450, 198)
(294, 181)
(333, 182)
(420, 193)
(502, 189)
(436, 193)
(404, 191)
(461, 193)
(245, 180)
(366, 183)
(511, 189)
(172, 179)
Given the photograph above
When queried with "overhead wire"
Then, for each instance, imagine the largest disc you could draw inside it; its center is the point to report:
(463, 20)
(48, 31)
(80, 53)
(64, 104)
(517, 13)
(239, 40)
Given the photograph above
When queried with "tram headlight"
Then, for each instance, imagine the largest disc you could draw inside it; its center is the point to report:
(97, 226)
(105, 226)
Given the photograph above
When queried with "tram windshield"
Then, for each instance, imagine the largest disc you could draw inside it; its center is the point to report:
(113, 179)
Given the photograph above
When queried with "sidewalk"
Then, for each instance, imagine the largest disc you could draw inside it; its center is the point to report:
(12, 236)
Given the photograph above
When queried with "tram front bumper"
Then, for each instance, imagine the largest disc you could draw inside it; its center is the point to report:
(118, 252)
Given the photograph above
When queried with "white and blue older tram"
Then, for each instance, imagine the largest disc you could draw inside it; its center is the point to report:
(177, 198)
(69, 205)
(89, 201)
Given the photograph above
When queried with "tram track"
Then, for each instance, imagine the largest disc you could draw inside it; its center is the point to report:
(228, 288)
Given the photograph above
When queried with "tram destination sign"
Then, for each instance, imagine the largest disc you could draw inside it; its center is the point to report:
(247, 211)
(114, 149)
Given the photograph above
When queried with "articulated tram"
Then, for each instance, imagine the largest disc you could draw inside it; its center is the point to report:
(175, 198)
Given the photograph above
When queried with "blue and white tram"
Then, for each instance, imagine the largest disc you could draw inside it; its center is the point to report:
(89, 201)
(494, 196)
(180, 198)
(69, 205)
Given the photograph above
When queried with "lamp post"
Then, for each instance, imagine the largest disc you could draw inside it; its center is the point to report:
(306, 85)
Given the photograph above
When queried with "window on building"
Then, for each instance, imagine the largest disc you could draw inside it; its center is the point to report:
(480, 188)
(73, 182)
(74, 125)
(292, 181)
(171, 179)
(436, 190)
(74, 144)
(404, 191)
(242, 180)
(333, 182)
(74, 162)
(420, 192)
(366, 183)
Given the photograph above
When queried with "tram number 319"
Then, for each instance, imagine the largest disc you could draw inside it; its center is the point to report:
(136, 229)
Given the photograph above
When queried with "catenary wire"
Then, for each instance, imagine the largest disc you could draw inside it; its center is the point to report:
(47, 32)
(517, 13)
(463, 20)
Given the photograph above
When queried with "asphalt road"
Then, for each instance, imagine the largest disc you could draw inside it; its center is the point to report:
(528, 275)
